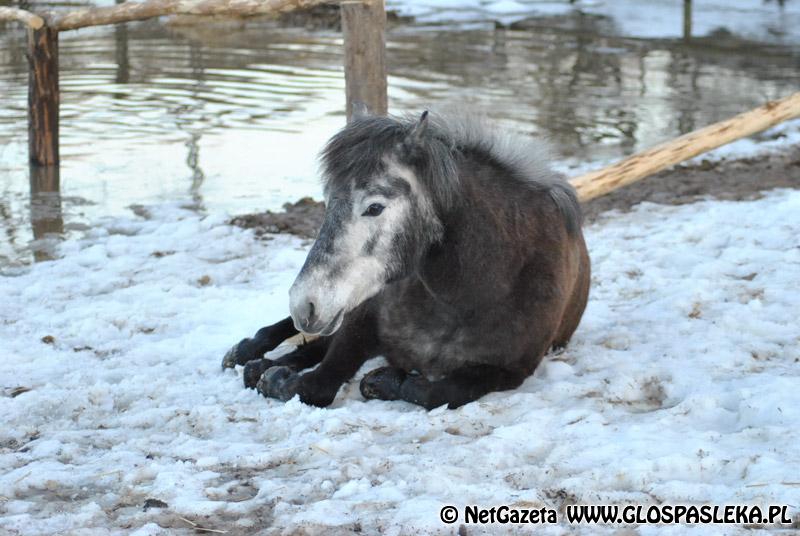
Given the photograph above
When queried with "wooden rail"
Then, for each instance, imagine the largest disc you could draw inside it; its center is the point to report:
(20, 15)
(134, 11)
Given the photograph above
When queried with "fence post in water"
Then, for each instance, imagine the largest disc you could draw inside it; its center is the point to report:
(43, 96)
(364, 28)
(687, 19)
(47, 217)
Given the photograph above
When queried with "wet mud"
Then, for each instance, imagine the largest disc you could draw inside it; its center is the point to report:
(303, 219)
(730, 180)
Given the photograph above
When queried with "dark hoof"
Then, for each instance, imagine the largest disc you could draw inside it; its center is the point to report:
(278, 382)
(240, 354)
(253, 371)
(229, 361)
(382, 384)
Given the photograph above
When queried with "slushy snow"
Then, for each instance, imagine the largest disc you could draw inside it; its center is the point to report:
(680, 386)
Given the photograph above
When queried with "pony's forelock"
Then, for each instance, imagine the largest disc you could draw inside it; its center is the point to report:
(358, 152)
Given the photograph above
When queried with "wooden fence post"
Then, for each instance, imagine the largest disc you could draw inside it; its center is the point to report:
(687, 19)
(121, 51)
(43, 96)
(364, 30)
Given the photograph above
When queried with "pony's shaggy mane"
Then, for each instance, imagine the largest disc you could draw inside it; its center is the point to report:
(358, 151)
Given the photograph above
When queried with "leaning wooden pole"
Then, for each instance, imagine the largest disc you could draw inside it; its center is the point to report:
(364, 31)
(689, 145)
(43, 96)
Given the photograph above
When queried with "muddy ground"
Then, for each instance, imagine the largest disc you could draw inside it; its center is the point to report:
(746, 178)
(302, 218)
(734, 180)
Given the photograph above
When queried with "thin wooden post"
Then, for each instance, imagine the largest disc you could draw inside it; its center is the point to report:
(364, 30)
(121, 51)
(687, 19)
(43, 96)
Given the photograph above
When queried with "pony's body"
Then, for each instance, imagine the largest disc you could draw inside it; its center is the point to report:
(475, 270)
(477, 297)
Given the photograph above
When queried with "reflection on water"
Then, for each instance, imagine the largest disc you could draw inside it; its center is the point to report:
(230, 116)
(47, 219)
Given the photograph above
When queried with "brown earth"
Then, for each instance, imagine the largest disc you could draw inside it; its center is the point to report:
(302, 219)
(739, 179)
(733, 180)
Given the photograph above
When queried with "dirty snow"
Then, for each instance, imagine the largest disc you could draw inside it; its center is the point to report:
(681, 385)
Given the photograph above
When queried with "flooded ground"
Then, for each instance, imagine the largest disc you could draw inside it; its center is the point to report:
(229, 116)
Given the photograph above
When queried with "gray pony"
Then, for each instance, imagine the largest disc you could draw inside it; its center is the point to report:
(447, 247)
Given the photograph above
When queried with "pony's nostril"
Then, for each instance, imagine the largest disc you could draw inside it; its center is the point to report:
(310, 316)
(305, 315)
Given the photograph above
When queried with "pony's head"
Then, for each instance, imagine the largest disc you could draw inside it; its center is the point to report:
(387, 183)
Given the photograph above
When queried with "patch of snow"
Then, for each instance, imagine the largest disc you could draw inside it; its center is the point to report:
(679, 386)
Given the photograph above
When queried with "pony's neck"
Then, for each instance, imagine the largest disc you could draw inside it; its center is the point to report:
(469, 267)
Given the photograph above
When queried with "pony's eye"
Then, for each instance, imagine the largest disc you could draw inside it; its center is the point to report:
(374, 209)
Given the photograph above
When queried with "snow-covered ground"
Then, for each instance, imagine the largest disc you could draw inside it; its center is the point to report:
(680, 386)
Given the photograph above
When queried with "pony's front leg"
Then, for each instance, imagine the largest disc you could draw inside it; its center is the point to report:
(460, 387)
(350, 347)
(266, 339)
(303, 357)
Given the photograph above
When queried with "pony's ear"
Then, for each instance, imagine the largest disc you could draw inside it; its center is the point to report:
(360, 110)
(420, 128)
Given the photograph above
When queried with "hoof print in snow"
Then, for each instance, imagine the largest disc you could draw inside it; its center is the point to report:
(253, 371)
(278, 382)
(154, 503)
(382, 384)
